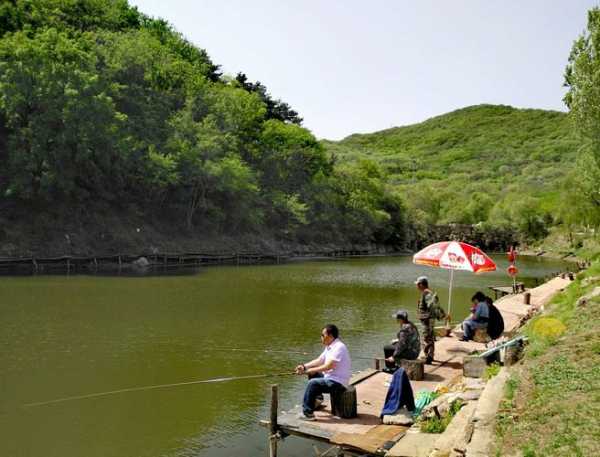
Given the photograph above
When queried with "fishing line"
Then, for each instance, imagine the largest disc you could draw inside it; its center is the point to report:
(279, 352)
(160, 386)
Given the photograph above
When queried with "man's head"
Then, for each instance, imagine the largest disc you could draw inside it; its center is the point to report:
(478, 297)
(329, 333)
(401, 316)
(422, 283)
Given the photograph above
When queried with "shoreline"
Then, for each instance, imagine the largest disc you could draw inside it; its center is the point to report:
(161, 262)
(144, 263)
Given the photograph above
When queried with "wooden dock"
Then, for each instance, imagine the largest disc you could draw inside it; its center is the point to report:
(365, 434)
(501, 291)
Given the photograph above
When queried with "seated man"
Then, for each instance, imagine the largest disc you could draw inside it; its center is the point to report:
(330, 372)
(406, 346)
(480, 315)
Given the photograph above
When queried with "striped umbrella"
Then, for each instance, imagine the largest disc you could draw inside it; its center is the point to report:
(454, 255)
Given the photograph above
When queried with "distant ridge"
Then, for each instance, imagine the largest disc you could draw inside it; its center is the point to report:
(496, 150)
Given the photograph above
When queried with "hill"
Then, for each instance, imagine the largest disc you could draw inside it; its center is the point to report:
(488, 163)
(113, 125)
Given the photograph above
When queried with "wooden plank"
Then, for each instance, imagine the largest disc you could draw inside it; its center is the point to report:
(362, 375)
(374, 441)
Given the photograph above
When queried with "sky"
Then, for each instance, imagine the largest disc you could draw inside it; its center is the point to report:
(350, 66)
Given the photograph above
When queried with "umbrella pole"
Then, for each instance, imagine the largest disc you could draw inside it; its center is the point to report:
(448, 318)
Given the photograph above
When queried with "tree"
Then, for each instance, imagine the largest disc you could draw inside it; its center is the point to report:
(63, 129)
(276, 109)
(205, 142)
(582, 77)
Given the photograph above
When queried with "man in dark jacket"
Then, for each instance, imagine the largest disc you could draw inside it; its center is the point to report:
(406, 346)
(479, 318)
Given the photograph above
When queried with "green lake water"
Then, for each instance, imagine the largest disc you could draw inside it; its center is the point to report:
(63, 336)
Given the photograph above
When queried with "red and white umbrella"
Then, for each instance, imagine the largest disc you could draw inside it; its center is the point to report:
(454, 255)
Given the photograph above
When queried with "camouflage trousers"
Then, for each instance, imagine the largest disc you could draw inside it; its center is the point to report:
(428, 338)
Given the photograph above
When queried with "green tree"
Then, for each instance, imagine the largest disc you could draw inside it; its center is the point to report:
(63, 129)
(206, 148)
(582, 77)
(276, 109)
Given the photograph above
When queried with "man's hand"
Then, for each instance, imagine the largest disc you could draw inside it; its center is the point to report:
(394, 341)
(390, 359)
(300, 369)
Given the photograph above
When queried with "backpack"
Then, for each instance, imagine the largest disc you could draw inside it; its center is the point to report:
(495, 322)
(436, 311)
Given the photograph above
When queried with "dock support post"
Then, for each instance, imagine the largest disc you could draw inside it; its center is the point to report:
(273, 421)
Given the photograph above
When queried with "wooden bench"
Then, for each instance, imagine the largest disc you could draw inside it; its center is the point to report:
(415, 369)
(481, 336)
(344, 403)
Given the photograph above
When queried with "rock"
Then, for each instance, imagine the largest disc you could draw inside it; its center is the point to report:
(413, 445)
(474, 366)
(582, 301)
(469, 395)
(590, 280)
(474, 383)
(485, 416)
(442, 404)
(457, 434)
(141, 262)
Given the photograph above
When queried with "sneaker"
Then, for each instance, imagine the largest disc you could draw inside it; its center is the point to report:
(462, 338)
(429, 360)
(304, 417)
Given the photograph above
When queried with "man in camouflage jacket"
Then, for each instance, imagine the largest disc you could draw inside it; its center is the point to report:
(406, 346)
(426, 302)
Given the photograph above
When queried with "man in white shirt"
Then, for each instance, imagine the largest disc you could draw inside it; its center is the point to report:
(330, 372)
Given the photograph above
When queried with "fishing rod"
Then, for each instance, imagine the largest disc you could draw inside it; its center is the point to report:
(280, 352)
(159, 386)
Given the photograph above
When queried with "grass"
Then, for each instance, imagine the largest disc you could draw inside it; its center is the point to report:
(552, 401)
(439, 424)
(491, 371)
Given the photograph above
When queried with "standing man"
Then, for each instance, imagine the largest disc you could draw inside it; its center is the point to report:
(407, 345)
(330, 372)
(426, 302)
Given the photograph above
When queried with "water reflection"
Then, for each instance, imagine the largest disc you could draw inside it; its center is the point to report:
(64, 336)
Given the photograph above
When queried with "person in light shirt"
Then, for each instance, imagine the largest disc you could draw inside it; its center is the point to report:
(328, 373)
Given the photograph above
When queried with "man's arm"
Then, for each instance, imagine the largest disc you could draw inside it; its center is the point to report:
(400, 345)
(402, 342)
(303, 367)
(328, 365)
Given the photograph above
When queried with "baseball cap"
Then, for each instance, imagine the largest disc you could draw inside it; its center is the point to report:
(401, 314)
(422, 279)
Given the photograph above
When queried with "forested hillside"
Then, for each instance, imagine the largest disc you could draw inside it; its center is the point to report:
(116, 133)
(110, 122)
(496, 166)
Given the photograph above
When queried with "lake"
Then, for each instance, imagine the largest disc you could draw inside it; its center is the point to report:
(63, 336)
